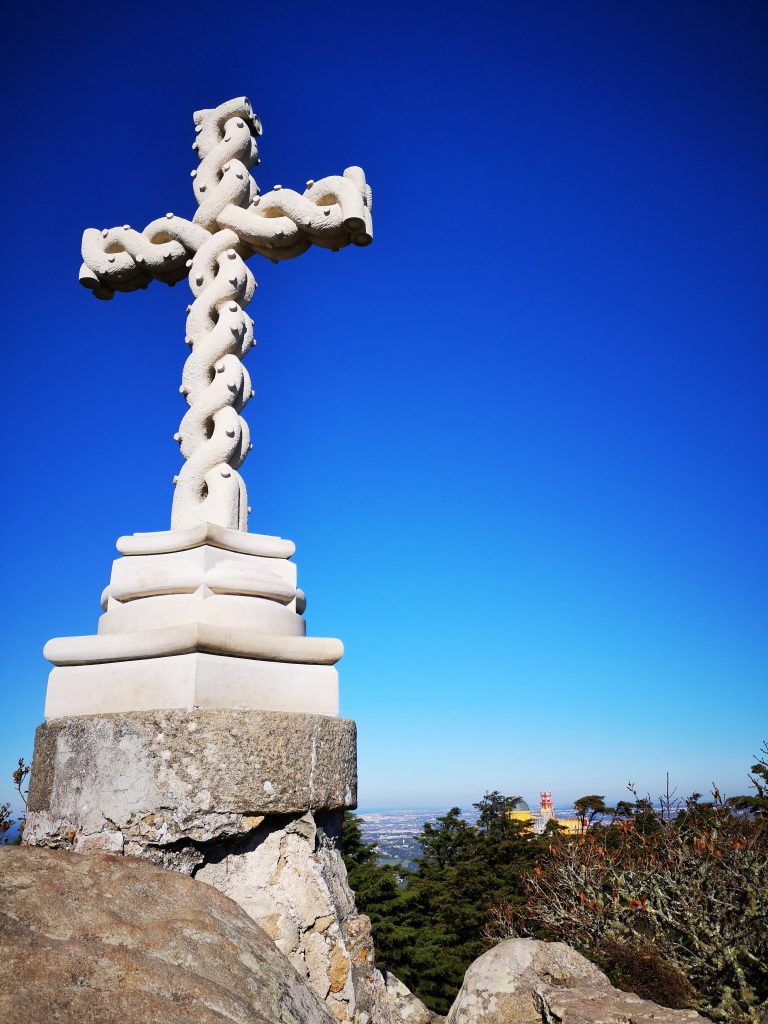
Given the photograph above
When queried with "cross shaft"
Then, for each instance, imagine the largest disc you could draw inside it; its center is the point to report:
(233, 221)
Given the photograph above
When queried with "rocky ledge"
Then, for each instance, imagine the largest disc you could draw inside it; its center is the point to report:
(524, 981)
(104, 940)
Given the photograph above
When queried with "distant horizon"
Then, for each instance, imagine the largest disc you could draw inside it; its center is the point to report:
(534, 803)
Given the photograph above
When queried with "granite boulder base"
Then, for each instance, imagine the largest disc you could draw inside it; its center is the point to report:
(248, 801)
(112, 940)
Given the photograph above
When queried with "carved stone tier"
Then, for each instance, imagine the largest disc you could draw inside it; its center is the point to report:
(205, 617)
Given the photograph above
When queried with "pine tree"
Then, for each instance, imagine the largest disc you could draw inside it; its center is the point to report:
(428, 923)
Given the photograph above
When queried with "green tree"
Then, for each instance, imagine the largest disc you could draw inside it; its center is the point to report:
(494, 809)
(447, 842)
(378, 893)
(430, 928)
(355, 852)
(591, 808)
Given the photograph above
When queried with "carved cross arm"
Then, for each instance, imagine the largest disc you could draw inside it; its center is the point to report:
(332, 212)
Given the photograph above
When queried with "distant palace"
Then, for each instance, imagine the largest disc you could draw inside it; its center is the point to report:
(538, 821)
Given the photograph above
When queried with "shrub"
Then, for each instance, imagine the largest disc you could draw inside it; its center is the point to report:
(673, 903)
(7, 821)
(639, 967)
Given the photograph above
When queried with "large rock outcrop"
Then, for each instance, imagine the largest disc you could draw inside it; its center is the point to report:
(289, 875)
(250, 802)
(395, 1002)
(100, 939)
(524, 981)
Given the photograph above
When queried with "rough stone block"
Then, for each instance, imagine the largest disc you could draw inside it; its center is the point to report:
(526, 981)
(159, 778)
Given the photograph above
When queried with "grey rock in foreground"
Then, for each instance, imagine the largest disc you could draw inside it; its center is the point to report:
(524, 981)
(289, 876)
(398, 1004)
(108, 940)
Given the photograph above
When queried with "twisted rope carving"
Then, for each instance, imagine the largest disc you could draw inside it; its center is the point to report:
(331, 213)
(214, 438)
(232, 222)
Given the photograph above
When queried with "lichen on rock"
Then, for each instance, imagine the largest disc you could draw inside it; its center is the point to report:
(526, 981)
(107, 939)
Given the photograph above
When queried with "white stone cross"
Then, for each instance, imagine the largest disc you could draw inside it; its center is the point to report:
(232, 223)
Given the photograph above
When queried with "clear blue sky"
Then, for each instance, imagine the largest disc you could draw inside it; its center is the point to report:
(520, 441)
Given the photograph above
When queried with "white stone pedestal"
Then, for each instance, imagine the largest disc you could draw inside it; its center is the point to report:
(198, 618)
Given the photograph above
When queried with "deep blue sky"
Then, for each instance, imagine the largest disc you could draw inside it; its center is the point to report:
(520, 441)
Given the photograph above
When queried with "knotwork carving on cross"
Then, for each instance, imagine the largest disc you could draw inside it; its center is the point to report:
(233, 222)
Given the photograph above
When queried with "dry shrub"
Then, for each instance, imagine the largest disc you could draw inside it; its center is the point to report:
(638, 967)
(692, 888)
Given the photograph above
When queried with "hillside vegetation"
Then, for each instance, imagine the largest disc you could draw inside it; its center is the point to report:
(670, 898)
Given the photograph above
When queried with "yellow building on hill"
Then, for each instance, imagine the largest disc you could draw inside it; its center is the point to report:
(521, 812)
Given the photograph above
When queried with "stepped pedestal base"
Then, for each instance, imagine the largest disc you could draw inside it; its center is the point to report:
(200, 618)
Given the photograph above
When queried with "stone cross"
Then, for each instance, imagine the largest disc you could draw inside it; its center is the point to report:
(233, 222)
